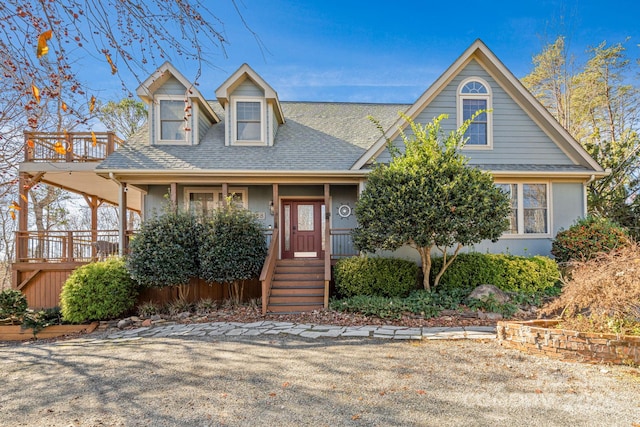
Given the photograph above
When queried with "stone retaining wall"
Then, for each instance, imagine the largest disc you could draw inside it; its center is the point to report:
(540, 337)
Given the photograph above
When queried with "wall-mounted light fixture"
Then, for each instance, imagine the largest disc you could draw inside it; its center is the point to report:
(271, 209)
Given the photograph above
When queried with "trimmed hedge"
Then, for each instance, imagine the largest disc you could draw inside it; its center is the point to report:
(528, 275)
(98, 291)
(587, 237)
(375, 276)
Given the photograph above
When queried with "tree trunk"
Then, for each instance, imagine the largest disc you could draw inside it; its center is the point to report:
(425, 257)
(446, 263)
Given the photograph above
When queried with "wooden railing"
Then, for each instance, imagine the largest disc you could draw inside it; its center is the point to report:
(69, 147)
(266, 276)
(65, 246)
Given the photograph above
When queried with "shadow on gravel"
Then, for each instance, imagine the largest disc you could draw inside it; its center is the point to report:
(292, 381)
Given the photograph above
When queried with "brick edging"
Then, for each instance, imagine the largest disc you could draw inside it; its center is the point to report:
(540, 337)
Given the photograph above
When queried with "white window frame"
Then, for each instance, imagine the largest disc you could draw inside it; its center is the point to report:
(263, 121)
(520, 210)
(216, 191)
(158, 125)
(460, 109)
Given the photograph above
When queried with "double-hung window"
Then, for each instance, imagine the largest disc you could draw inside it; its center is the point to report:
(529, 208)
(474, 95)
(249, 126)
(172, 126)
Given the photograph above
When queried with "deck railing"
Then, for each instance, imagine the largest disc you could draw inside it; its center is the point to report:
(69, 146)
(65, 246)
(268, 268)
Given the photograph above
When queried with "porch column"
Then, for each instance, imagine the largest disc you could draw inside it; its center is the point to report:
(122, 223)
(276, 207)
(23, 217)
(327, 243)
(225, 193)
(174, 194)
(94, 203)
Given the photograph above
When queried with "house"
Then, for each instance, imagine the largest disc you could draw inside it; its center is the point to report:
(299, 166)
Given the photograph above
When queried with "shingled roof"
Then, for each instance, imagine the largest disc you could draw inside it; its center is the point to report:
(322, 136)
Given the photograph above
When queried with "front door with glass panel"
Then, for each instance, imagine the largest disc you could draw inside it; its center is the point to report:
(302, 229)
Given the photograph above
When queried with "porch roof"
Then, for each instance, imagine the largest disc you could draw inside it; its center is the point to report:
(320, 136)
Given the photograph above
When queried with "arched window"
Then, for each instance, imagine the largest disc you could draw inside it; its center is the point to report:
(474, 94)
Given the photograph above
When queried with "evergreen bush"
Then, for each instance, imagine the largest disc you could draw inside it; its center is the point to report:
(375, 276)
(527, 275)
(13, 304)
(587, 237)
(98, 291)
(165, 251)
(232, 249)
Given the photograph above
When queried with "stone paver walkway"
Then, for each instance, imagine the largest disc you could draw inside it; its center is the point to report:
(306, 331)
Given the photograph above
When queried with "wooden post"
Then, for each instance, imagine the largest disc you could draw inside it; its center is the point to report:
(68, 148)
(69, 256)
(122, 226)
(174, 195)
(327, 243)
(276, 208)
(94, 203)
(23, 217)
(110, 143)
(225, 193)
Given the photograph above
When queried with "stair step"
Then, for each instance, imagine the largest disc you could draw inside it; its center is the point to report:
(297, 299)
(315, 290)
(298, 284)
(293, 308)
(290, 269)
(300, 262)
(301, 277)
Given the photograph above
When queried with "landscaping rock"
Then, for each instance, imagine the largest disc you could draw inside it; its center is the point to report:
(184, 315)
(124, 323)
(146, 323)
(486, 291)
(155, 317)
(489, 316)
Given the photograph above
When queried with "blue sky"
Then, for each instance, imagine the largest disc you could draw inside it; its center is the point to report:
(374, 51)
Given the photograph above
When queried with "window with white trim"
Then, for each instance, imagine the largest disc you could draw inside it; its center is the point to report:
(474, 94)
(529, 208)
(171, 124)
(249, 122)
(205, 200)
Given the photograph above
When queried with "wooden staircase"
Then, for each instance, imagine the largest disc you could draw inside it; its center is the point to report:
(298, 286)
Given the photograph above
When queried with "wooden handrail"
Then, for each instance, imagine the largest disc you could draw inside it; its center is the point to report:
(266, 276)
(70, 147)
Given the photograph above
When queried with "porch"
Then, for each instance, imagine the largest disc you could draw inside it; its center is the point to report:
(44, 259)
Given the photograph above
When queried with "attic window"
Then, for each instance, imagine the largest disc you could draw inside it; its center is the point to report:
(474, 95)
(249, 126)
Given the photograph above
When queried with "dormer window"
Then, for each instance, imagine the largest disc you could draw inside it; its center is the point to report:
(250, 118)
(172, 128)
(172, 120)
(474, 94)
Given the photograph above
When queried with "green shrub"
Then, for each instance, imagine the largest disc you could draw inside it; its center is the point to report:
(98, 291)
(527, 275)
(232, 248)
(587, 237)
(165, 251)
(13, 304)
(374, 276)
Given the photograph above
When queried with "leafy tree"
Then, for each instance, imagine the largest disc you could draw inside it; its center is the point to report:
(125, 117)
(165, 251)
(232, 249)
(429, 198)
(598, 104)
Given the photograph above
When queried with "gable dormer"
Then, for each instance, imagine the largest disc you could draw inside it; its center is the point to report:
(252, 109)
(178, 113)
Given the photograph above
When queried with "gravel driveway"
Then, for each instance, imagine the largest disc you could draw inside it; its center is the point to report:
(290, 381)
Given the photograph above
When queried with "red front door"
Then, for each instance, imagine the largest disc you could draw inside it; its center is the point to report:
(302, 225)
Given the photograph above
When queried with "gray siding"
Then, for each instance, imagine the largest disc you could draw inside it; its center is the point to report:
(247, 88)
(171, 87)
(343, 195)
(516, 138)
